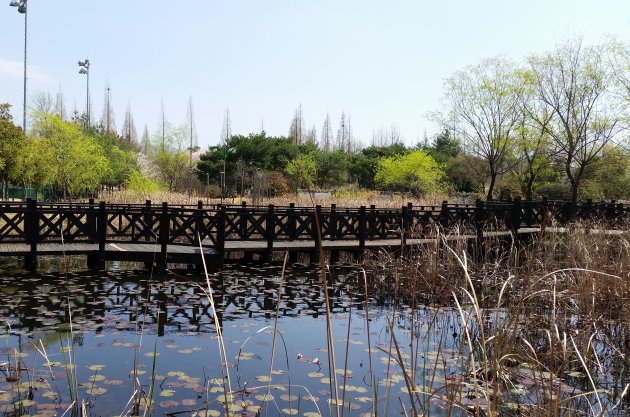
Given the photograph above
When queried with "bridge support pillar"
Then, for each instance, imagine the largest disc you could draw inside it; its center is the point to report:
(30, 262)
(94, 261)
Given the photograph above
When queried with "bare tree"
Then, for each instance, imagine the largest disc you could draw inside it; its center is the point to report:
(311, 136)
(145, 140)
(296, 131)
(43, 102)
(60, 107)
(226, 131)
(108, 119)
(387, 137)
(574, 83)
(129, 132)
(326, 142)
(483, 100)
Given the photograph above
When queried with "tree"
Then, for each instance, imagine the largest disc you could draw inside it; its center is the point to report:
(226, 131)
(172, 167)
(43, 102)
(331, 168)
(108, 120)
(574, 82)
(296, 131)
(11, 139)
(484, 100)
(76, 162)
(129, 132)
(146, 141)
(415, 172)
(60, 106)
(326, 142)
(443, 148)
(303, 171)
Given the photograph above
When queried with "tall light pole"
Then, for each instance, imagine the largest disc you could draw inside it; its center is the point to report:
(85, 69)
(21, 8)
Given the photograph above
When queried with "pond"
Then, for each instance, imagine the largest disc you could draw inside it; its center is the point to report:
(125, 342)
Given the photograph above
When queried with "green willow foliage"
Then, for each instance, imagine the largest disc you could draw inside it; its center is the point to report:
(415, 172)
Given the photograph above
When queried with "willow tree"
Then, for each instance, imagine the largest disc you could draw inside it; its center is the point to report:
(574, 83)
(483, 101)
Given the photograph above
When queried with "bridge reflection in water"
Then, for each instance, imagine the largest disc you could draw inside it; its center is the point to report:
(129, 300)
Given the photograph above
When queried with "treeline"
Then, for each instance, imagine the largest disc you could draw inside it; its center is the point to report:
(553, 125)
(65, 157)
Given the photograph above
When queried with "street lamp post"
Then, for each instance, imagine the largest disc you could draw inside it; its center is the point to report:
(85, 69)
(21, 8)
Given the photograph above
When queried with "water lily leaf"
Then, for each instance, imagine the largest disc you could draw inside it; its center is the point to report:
(325, 380)
(312, 414)
(263, 378)
(177, 374)
(189, 402)
(96, 378)
(167, 393)
(50, 395)
(152, 354)
(364, 399)
(169, 403)
(315, 374)
(264, 397)
(112, 382)
(96, 390)
(287, 397)
(208, 413)
(290, 411)
(96, 367)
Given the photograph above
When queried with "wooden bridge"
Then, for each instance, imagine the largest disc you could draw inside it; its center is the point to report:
(162, 234)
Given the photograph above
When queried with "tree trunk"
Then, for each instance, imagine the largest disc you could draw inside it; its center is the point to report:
(493, 180)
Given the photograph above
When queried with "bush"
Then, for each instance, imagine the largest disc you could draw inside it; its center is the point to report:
(142, 184)
(554, 191)
(276, 184)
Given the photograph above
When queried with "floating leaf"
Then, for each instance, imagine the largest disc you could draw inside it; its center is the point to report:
(152, 354)
(287, 397)
(112, 382)
(167, 393)
(312, 414)
(263, 378)
(96, 390)
(264, 397)
(290, 411)
(177, 374)
(315, 374)
(208, 413)
(169, 403)
(95, 367)
(97, 378)
(185, 351)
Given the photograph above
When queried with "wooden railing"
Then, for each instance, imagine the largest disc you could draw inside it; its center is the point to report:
(33, 222)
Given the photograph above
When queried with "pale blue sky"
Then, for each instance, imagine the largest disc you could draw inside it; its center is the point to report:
(382, 62)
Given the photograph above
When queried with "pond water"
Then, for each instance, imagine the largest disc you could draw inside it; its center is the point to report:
(113, 342)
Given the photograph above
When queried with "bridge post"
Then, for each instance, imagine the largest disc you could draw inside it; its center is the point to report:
(97, 260)
(316, 233)
(479, 225)
(444, 215)
(515, 221)
(362, 228)
(372, 231)
(270, 232)
(404, 228)
(220, 241)
(91, 220)
(31, 229)
(292, 229)
(147, 218)
(333, 230)
(163, 237)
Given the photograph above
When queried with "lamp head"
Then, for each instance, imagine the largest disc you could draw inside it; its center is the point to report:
(83, 71)
(14, 3)
(22, 7)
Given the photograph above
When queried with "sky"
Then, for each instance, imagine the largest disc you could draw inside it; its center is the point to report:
(383, 63)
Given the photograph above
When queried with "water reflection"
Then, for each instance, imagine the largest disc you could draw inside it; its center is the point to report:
(124, 300)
